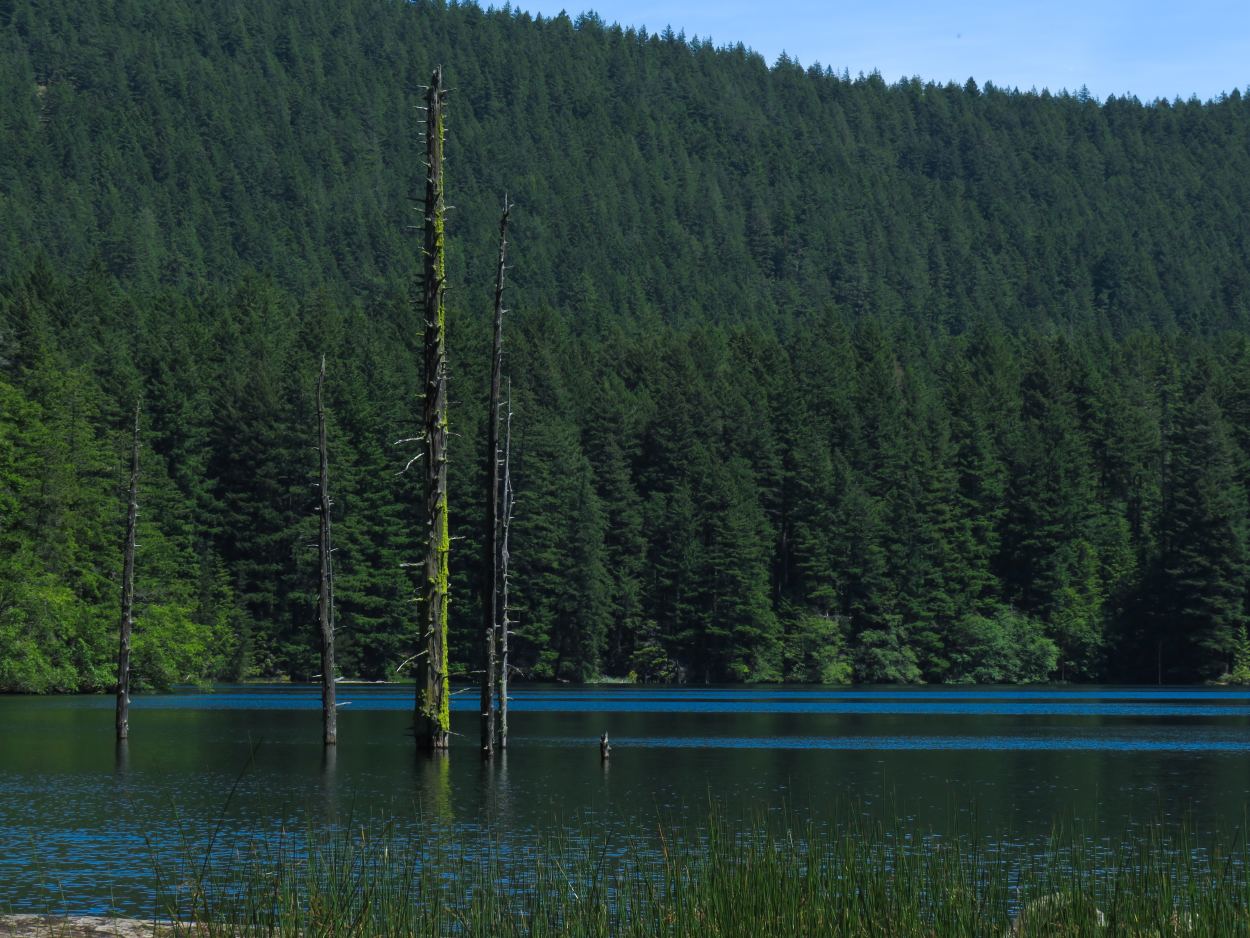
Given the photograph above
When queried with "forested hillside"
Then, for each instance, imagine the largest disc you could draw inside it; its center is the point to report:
(815, 378)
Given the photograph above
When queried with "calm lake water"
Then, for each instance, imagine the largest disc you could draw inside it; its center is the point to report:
(80, 821)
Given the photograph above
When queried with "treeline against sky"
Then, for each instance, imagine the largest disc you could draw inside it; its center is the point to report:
(814, 378)
(184, 142)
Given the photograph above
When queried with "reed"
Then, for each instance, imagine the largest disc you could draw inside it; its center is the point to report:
(750, 878)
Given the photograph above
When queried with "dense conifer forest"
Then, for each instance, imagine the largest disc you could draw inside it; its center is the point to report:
(815, 378)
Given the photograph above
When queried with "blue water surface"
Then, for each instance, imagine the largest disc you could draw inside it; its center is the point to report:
(86, 823)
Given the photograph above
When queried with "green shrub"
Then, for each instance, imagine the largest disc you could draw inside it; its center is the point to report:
(1005, 648)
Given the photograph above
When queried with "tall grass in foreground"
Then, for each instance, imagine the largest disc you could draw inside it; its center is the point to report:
(720, 880)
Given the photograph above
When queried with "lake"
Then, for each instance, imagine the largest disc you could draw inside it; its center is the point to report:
(81, 821)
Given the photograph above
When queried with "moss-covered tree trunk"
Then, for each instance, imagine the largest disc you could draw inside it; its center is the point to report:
(128, 592)
(433, 705)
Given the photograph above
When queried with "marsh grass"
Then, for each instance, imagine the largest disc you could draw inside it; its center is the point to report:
(752, 877)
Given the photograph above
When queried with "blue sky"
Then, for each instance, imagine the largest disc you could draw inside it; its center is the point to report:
(1149, 49)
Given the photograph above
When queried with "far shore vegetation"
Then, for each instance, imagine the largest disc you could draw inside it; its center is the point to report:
(815, 378)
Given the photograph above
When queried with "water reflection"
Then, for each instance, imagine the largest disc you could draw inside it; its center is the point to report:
(502, 789)
(1168, 742)
(121, 758)
(330, 784)
(433, 784)
(249, 761)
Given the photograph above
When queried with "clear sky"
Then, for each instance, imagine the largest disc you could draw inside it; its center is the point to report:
(1147, 48)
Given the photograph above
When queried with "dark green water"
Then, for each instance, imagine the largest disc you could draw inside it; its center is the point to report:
(81, 822)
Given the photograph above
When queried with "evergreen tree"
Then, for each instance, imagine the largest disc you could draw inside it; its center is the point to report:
(1202, 538)
(971, 376)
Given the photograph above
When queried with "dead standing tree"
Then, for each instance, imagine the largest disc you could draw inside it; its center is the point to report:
(128, 592)
(433, 703)
(504, 558)
(490, 582)
(325, 597)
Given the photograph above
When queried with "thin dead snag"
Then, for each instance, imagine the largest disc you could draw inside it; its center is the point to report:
(501, 723)
(128, 592)
(490, 580)
(433, 704)
(325, 597)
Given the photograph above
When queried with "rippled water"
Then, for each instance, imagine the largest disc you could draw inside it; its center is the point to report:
(82, 821)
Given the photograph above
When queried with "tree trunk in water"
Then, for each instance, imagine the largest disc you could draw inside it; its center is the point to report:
(128, 593)
(325, 599)
(490, 581)
(433, 717)
(504, 557)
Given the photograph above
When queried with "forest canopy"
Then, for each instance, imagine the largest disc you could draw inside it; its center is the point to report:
(815, 378)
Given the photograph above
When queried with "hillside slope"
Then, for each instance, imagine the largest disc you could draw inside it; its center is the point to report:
(815, 378)
(187, 141)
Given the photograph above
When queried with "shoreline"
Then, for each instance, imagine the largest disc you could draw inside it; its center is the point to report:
(80, 926)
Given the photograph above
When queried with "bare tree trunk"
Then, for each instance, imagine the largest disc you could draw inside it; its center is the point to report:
(490, 580)
(433, 704)
(128, 592)
(325, 598)
(504, 558)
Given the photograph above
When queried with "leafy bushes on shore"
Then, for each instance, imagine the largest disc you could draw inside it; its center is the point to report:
(1003, 648)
